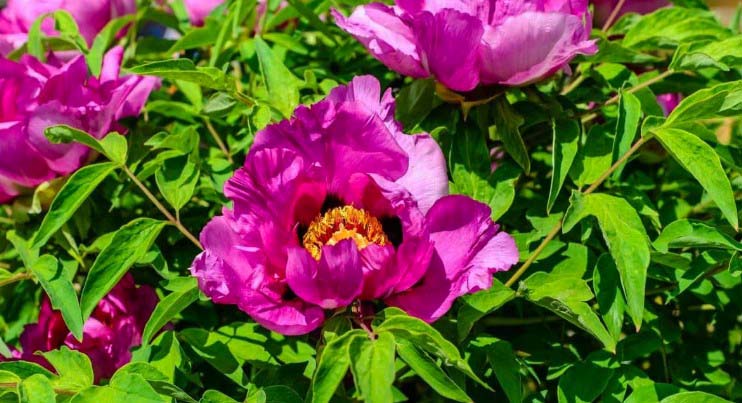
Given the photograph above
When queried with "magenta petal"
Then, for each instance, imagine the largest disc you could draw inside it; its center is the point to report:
(19, 161)
(386, 36)
(333, 282)
(449, 42)
(291, 318)
(469, 249)
(427, 174)
(532, 45)
(379, 271)
(61, 158)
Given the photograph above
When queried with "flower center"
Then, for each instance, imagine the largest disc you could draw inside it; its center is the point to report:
(341, 223)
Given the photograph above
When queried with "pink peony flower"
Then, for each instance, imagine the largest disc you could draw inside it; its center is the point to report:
(112, 330)
(464, 43)
(37, 95)
(91, 16)
(669, 102)
(604, 8)
(337, 205)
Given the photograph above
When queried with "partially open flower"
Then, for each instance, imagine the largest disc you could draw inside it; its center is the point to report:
(337, 205)
(464, 43)
(37, 95)
(668, 102)
(109, 334)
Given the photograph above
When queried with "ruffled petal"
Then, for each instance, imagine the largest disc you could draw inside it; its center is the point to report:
(532, 45)
(469, 249)
(289, 317)
(449, 43)
(333, 282)
(386, 36)
(19, 161)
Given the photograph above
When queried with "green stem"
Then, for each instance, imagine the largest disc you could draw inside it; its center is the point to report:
(162, 208)
(14, 279)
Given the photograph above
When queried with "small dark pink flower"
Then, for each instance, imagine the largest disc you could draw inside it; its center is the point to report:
(669, 102)
(464, 43)
(91, 16)
(109, 334)
(338, 205)
(37, 95)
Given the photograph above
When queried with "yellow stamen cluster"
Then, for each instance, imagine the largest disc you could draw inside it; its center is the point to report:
(341, 223)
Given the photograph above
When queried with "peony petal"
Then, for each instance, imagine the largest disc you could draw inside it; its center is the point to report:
(427, 174)
(19, 161)
(449, 43)
(386, 36)
(291, 318)
(469, 249)
(532, 45)
(333, 282)
(61, 158)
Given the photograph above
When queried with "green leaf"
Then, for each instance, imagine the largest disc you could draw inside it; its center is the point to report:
(283, 86)
(185, 70)
(724, 55)
(629, 117)
(607, 286)
(36, 389)
(427, 338)
(129, 244)
(25, 369)
(103, 40)
(167, 309)
(505, 364)
(275, 394)
(415, 102)
(672, 26)
(719, 101)
(115, 148)
(565, 295)
(124, 387)
(497, 190)
(67, 134)
(372, 365)
(332, 366)
(72, 195)
(565, 146)
(197, 37)
(61, 292)
(68, 30)
(430, 372)
(507, 129)
(214, 396)
(583, 383)
(694, 397)
(594, 158)
(700, 160)
(74, 369)
(177, 179)
(696, 234)
(476, 306)
(627, 241)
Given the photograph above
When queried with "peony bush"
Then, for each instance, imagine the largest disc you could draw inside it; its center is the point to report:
(351, 201)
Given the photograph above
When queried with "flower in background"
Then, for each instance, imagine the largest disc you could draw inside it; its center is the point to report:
(37, 95)
(198, 9)
(338, 205)
(112, 330)
(669, 102)
(464, 43)
(604, 8)
(91, 16)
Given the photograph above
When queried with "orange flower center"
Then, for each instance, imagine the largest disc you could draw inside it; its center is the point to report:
(341, 223)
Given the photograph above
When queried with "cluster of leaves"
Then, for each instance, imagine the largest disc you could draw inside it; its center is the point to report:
(630, 281)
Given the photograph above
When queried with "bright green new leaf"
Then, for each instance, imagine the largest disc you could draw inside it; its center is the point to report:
(430, 372)
(332, 366)
(691, 233)
(700, 160)
(565, 146)
(177, 179)
(129, 244)
(36, 389)
(72, 195)
(283, 86)
(372, 365)
(74, 369)
(103, 40)
(60, 291)
(167, 309)
(185, 70)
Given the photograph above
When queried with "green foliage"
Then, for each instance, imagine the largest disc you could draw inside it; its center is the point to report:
(630, 275)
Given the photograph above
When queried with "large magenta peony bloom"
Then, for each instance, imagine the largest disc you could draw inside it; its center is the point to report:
(604, 8)
(91, 16)
(112, 330)
(37, 95)
(337, 205)
(464, 43)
